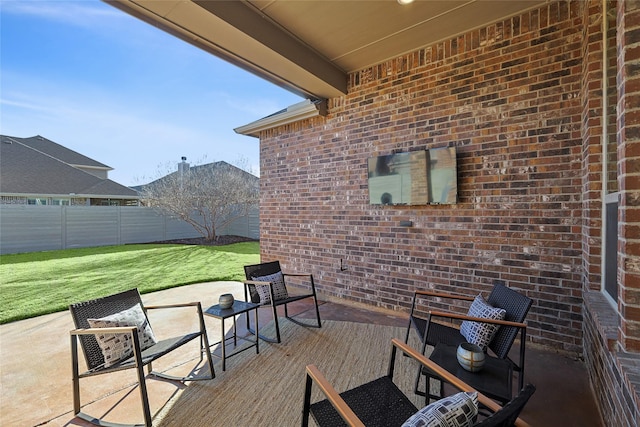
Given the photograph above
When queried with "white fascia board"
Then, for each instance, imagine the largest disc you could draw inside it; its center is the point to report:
(294, 113)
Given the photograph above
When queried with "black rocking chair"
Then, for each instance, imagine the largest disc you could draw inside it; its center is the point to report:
(95, 359)
(514, 303)
(380, 403)
(255, 278)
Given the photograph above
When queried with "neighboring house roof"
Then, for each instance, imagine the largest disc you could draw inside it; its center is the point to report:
(219, 164)
(27, 170)
(60, 152)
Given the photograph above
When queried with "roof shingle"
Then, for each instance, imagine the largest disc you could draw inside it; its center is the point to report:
(25, 169)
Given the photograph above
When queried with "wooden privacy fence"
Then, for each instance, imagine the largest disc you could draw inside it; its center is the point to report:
(29, 228)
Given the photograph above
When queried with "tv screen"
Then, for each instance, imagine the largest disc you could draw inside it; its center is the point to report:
(413, 178)
(443, 176)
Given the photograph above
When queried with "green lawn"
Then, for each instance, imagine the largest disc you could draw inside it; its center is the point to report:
(38, 283)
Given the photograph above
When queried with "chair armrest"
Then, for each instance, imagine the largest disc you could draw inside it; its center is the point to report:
(296, 274)
(309, 275)
(477, 319)
(334, 397)
(178, 305)
(196, 304)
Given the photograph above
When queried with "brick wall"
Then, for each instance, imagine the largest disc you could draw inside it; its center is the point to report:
(613, 375)
(508, 98)
(522, 101)
(611, 333)
(629, 172)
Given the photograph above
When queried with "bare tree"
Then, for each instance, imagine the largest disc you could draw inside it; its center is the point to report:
(208, 197)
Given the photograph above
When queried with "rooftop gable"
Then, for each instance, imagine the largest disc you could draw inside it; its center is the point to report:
(214, 165)
(27, 170)
(60, 152)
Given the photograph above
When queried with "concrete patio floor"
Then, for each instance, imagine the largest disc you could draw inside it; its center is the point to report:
(35, 367)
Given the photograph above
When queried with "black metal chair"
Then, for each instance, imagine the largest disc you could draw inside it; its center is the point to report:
(516, 306)
(256, 274)
(381, 403)
(95, 358)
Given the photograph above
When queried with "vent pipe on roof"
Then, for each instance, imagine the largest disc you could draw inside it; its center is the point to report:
(183, 167)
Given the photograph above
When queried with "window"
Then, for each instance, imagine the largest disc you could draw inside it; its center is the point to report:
(61, 202)
(37, 201)
(610, 276)
(610, 156)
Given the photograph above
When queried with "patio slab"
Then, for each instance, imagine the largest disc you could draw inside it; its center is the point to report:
(35, 366)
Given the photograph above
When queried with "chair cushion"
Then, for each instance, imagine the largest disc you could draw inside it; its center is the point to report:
(279, 289)
(458, 410)
(480, 333)
(116, 347)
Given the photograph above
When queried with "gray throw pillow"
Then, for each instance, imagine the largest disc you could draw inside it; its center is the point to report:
(480, 333)
(279, 289)
(458, 410)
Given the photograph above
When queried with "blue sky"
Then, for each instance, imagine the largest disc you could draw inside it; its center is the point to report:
(98, 81)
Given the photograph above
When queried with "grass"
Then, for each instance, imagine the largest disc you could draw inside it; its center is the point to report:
(37, 283)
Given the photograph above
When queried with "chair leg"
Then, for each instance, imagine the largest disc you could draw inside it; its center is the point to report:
(204, 348)
(315, 301)
(204, 342)
(75, 374)
(306, 324)
(144, 397)
(306, 408)
(286, 314)
(264, 337)
(275, 321)
(143, 394)
(416, 386)
(207, 351)
(427, 390)
(523, 339)
(406, 336)
(137, 354)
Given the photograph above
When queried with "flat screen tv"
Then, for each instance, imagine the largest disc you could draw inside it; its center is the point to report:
(414, 178)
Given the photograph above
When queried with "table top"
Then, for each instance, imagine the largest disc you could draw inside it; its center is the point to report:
(238, 307)
(494, 379)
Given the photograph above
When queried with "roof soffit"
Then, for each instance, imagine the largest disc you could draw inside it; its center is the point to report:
(310, 47)
(313, 77)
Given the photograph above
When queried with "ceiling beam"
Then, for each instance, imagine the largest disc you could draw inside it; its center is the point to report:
(250, 21)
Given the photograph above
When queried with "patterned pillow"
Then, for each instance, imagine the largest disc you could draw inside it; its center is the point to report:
(279, 289)
(480, 333)
(116, 347)
(458, 410)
